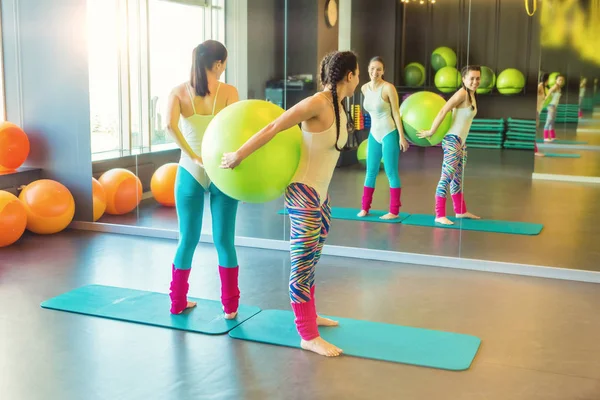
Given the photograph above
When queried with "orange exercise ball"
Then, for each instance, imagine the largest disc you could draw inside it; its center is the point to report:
(14, 146)
(50, 206)
(99, 199)
(123, 190)
(163, 184)
(13, 218)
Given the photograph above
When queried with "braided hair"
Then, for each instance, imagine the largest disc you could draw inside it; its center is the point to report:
(335, 66)
(463, 73)
(204, 56)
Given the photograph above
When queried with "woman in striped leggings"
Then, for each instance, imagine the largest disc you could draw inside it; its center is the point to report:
(324, 132)
(463, 105)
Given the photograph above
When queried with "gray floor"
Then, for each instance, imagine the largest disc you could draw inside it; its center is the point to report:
(539, 336)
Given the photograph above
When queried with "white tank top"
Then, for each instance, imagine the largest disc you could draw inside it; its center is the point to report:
(319, 157)
(193, 129)
(555, 98)
(380, 111)
(461, 122)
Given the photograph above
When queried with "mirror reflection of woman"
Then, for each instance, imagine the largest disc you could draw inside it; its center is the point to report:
(386, 138)
(541, 95)
(553, 95)
(463, 105)
(582, 86)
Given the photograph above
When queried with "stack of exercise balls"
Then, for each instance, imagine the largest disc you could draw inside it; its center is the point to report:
(447, 78)
(264, 175)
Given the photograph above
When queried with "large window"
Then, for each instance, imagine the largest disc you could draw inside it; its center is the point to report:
(138, 51)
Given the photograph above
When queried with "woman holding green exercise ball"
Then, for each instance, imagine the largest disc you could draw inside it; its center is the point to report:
(463, 105)
(324, 134)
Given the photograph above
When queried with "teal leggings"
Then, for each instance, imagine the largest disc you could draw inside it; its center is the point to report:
(389, 149)
(189, 202)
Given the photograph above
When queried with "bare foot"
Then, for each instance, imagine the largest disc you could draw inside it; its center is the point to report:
(231, 315)
(320, 346)
(540, 154)
(467, 215)
(321, 321)
(389, 216)
(444, 221)
(362, 213)
(190, 304)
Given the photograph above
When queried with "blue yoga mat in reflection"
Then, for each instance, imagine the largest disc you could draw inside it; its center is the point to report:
(149, 308)
(482, 225)
(350, 214)
(365, 339)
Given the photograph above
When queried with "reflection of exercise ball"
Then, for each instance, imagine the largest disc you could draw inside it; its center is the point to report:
(510, 81)
(443, 57)
(418, 112)
(362, 151)
(162, 184)
(50, 206)
(447, 79)
(14, 146)
(123, 190)
(99, 199)
(13, 218)
(265, 174)
(552, 79)
(414, 74)
(488, 80)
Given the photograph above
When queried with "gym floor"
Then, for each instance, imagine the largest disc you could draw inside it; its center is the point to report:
(539, 336)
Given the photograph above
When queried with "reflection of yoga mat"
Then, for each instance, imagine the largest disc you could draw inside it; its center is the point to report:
(562, 155)
(559, 141)
(515, 228)
(365, 339)
(147, 308)
(350, 214)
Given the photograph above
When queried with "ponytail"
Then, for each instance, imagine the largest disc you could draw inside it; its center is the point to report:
(204, 57)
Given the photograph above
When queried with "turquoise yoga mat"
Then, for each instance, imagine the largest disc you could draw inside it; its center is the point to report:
(514, 228)
(562, 155)
(559, 141)
(149, 308)
(365, 339)
(350, 214)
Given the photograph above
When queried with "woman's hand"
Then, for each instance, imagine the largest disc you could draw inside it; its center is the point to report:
(404, 144)
(198, 161)
(230, 160)
(424, 134)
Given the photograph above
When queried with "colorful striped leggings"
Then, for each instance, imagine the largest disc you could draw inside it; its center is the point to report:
(310, 223)
(455, 158)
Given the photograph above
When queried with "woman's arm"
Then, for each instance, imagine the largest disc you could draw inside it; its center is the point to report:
(392, 94)
(457, 99)
(303, 111)
(174, 111)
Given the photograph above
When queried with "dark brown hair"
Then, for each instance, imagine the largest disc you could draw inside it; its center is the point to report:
(203, 57)
(464, 72)
(334, 68)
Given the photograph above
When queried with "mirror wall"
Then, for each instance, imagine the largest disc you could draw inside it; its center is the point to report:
(275, 47)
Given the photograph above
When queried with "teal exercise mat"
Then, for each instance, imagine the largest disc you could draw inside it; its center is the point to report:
(350, 214)
(148, 308)
(562, 155)
(482, 225)
(559, 141)
(373, 340)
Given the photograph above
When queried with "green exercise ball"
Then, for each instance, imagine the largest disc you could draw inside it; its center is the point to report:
(265, 174)
(414, 74)
(447, 79)
(488, 80)
(362, 151)
(443, 57)
(418, 112)
(510, 81)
